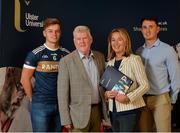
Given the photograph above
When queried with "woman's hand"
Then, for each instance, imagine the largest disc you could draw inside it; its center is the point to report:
(111, 94)
(122, 98)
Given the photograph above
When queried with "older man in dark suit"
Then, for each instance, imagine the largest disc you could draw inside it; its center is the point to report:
(81, 99)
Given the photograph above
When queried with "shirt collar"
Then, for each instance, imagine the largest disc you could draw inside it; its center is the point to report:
(82, 56)
(155, 44)
(50, 48)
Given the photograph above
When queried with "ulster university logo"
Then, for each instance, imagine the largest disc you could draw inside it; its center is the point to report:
(29, 19)
(17, 15)
(27, 2)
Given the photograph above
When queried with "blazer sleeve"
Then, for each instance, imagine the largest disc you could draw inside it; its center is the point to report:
(140, 75)
(63, 93)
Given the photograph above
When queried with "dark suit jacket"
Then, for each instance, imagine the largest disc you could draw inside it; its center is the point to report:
(74, 90)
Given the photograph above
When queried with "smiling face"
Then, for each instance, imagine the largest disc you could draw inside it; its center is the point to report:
(83, 41)
(150, 30)
(52, 34)
(118, 44)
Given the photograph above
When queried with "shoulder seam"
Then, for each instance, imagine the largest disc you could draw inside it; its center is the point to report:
(38, 49)
(65, 50)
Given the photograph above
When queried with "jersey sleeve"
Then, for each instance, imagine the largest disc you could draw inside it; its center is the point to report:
(30, 61)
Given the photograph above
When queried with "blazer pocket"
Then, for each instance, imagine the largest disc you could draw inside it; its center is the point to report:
(79, 100)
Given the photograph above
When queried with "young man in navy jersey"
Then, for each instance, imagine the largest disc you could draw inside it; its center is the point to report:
(42, 64)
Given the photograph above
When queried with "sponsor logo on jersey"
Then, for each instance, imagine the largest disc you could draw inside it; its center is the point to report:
(47, 66)
(45, 57)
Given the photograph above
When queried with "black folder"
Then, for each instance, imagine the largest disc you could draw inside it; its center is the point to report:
(113, 79)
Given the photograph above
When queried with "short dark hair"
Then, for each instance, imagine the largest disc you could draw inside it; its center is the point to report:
(150, 18)
(51, 21)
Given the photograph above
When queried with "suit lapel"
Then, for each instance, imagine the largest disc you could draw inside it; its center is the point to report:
(122, 63)
(82, 70)
(96, 61)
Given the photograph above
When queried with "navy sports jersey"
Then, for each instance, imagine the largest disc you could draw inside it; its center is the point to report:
(45, 61)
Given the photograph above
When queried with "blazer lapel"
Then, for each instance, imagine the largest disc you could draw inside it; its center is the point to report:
(96, 61)
(82, 70)
(122, 63)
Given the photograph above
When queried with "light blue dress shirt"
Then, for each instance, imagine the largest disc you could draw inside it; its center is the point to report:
(92, 72)
(162, 69)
